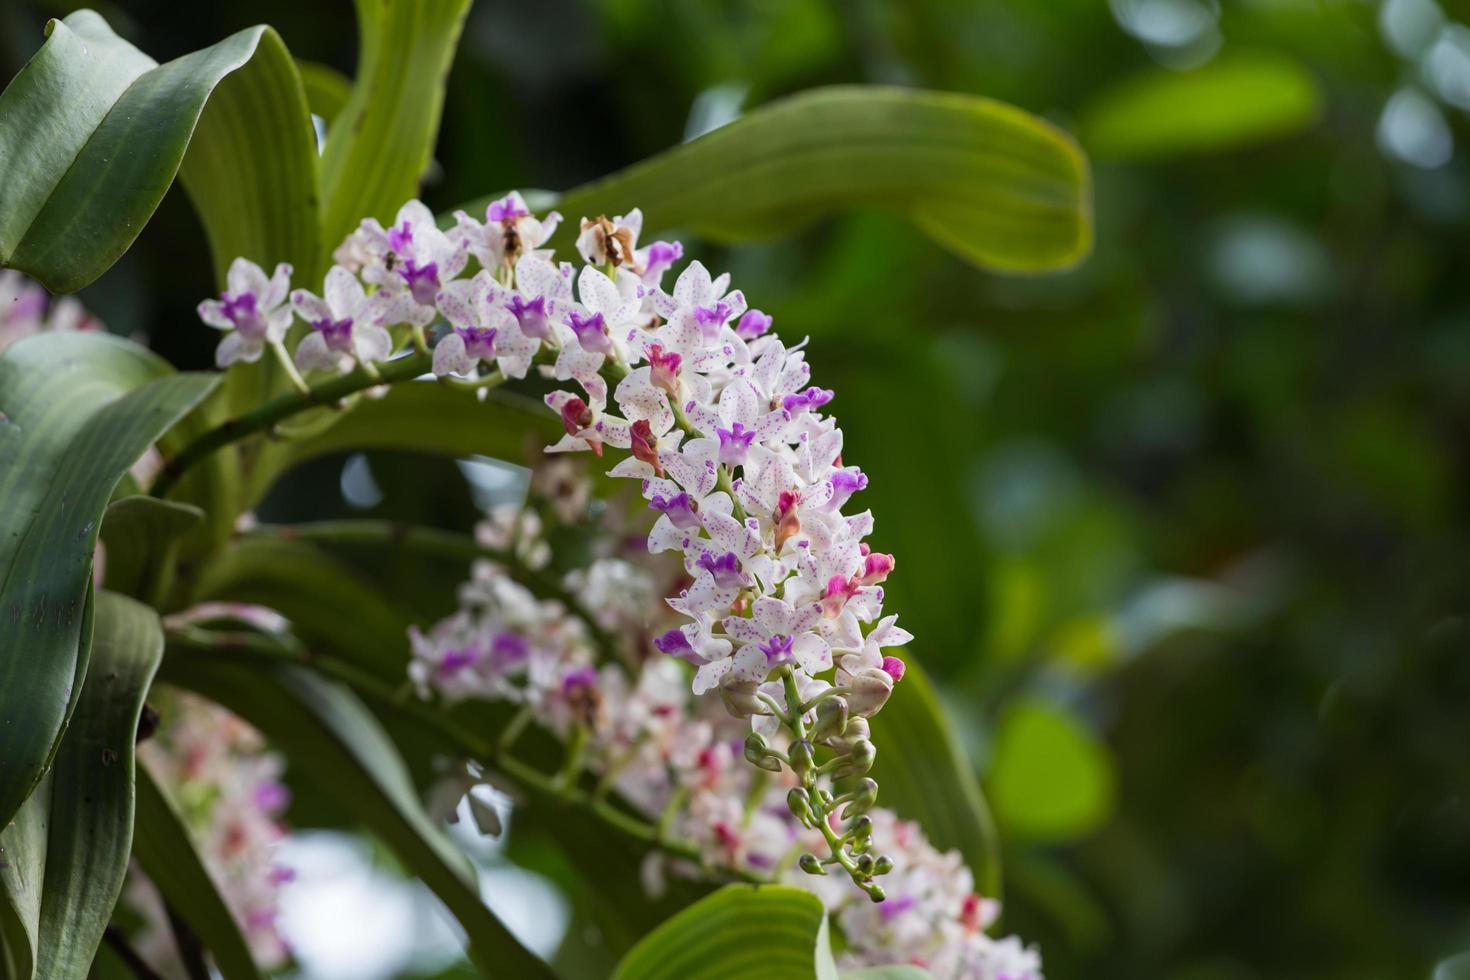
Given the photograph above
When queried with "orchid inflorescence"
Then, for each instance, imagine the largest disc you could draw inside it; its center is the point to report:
(227, 785)
(726, 437)
(673, 757)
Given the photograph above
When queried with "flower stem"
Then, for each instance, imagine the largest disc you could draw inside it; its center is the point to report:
(289, 366)
(821, 808)
(259, 647)
(283, 407)
(429, 541)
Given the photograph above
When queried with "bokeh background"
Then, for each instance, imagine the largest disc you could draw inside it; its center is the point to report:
(1182, 532)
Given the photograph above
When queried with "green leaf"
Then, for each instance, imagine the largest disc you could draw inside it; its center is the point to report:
(251, 168)
(1235, 100)
(999, 187)
(923, 775)
(422, 417)
(327, 89)
(76, 410)
(163, 847)
(91, 119)
(80, 826)
(382, 145)
(325, 731)
(141, 535)
(22, 877)
(901, 972)
(771, 932)
(1049, 778)
(326, 600)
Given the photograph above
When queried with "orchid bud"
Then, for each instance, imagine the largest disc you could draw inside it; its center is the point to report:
(757, 754)
(808, 862)
(831, 719)
(860, 829)
(883, 865)
(645, 445)
(870, 688)
(787, 523)
(741, 700)
(803, 759)
(857, 729)
(800, 805)
(859, 760)
(863, 798)
(865, 865)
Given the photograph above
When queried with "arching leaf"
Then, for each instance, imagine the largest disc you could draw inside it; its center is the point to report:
(997, 186)
(326, 731)
(770, 932)
(385, 135)
(67, 851)
(76, 411)
(91, 119)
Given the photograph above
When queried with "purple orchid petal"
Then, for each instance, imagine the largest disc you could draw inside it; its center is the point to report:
(734, 444)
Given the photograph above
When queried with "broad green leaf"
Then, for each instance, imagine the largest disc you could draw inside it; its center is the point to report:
(92, 120)
(422, 417)
(771, 932)
(1235, 100)
(251, 167)
(76, 410)
(385, 135)
(329, 603)
(79, 826)
(1049, 778)
(22, 876)
(141, 535)
(163, 847)
(609, 879)
(1001, 188)
(325, 731)
(923, 775)
(901, 972)
(327, 89)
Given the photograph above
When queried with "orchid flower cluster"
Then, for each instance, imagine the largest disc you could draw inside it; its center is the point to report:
(227, 786)
(728, 441)
(676, 758)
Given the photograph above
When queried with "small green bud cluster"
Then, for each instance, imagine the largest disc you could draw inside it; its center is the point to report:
(834, 748)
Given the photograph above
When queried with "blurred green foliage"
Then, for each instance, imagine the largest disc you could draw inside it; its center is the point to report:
(1183, 532)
